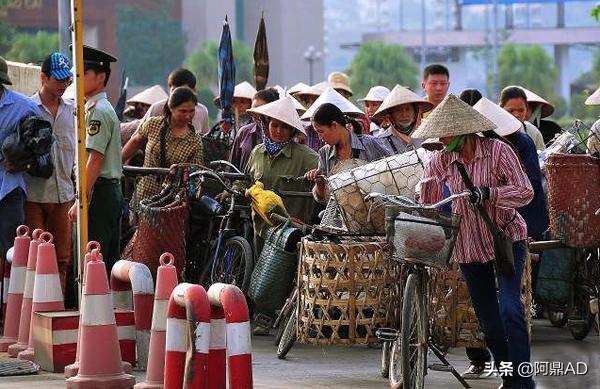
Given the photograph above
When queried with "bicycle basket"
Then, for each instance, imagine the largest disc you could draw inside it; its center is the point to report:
(425, 237)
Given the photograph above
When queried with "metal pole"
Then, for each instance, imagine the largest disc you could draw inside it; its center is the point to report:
(64, 25)
(82, 210)
(495, 82)
(310, 69)
(423, 36)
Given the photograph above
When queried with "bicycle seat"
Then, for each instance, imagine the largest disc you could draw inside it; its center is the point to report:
(210, 207)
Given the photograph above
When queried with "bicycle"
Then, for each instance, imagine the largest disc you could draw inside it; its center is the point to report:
(408, 348)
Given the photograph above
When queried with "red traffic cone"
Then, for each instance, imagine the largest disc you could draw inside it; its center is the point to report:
(100, 356)
(16, 289)
(6, 281)
(166, 281)
(24, 322)
(47, 291)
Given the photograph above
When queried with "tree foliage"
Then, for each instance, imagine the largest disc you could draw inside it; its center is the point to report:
(378, 63)
(6, 32)
(587, 83)
(530, 66)
(33, 48)
(150, 43)
(203, 63)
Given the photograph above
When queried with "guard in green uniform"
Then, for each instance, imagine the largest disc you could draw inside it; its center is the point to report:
(103, 167)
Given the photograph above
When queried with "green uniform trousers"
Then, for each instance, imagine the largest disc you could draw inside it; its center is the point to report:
(104, 224)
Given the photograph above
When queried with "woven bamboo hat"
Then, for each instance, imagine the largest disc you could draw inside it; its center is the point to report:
(315, 90)
(399, 96)
(283, 110)
(149, 96)
(339, 80)
(594, 98)
(334, 97)
(243, 90)
(451, 118)
(547, 107)
(299, 87)
(376, 93)
(506, 123)
(299, 107)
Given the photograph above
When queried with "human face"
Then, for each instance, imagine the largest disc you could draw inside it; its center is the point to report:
(93, 82)
(402, 115)
(279, 131)
(183, 113)
(329, 134)
(54, 87)
(241, 105)
(436, 87)
(371, 107)
(517, 108)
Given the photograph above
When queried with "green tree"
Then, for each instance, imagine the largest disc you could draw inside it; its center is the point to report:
(203, 63)
(6, 31)
(27, 47)
(596, 13)
(587, 83)
(150, 43)
(378, 63)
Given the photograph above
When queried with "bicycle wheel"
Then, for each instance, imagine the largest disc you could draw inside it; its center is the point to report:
(558, 319)
(282, 324)
(413, 343)
(580, 323)
(288, 337)
(395, 365)
(385, 359)
(234, 263)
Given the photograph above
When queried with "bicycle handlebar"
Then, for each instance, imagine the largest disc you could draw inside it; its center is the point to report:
(137, 170)
(225, 163)
(411, 203)
(219, 177)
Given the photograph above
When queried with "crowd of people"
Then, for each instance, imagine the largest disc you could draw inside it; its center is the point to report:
(282, 135)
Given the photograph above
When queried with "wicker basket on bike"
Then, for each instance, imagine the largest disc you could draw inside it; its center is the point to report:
(163, 222)
(574, 198)
(347, 290)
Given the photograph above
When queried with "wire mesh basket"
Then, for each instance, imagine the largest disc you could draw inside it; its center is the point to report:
(396, 175)
(422, 236)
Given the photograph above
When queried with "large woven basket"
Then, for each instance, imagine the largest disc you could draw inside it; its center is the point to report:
(573, 199)
(453, 319)
(396, 175)
(347, 291)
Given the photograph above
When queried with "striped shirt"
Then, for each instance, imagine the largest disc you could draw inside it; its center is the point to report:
(496, 166)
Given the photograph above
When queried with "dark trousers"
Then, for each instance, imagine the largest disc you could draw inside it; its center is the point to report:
(104, 224)
(478, 356)
(12, 216)
(501, 317)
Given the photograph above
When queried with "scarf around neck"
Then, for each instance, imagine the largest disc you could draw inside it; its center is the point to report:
(271, 146)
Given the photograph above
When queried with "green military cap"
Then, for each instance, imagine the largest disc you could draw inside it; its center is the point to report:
(97, 58)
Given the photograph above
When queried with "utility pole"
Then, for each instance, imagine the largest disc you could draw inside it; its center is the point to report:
(423, 36)
(64, 25)
(495, 83)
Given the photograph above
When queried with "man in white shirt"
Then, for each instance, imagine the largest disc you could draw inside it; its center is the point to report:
(182, 77)
(49, 199)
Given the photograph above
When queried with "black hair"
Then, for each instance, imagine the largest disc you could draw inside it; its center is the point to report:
(267, 95)
(512, 92)
(179, 96)
(97, 68)
(181, 77)
(328, 113)
(435, 68)
(470, 96)
(47, 66)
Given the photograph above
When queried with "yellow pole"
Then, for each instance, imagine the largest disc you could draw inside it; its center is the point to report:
(82, 211)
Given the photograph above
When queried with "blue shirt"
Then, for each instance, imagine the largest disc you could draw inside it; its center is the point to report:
(13, 108)
(536, 212)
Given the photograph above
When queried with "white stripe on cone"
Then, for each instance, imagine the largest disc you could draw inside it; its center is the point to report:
(47, 289)
(29, 284)
(159, 315)
(17, 280)
(238, 338)
(126, 332)
(176, 338)
(217, 334)
(202, 337)
(122, 299)
(97, 310)
(57, 338)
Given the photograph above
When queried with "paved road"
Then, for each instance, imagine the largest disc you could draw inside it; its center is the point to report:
(357, 366)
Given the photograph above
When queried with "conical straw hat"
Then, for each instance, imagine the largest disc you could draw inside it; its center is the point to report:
(506, 123)
(299, 107)
(339, 80)
(243, 90)
(334, 97)
(149, 96)
(315, 90)
(376, 93)
(398, 96)
(299, 87)
(594, 99)
(451, 118)
(283, 110)
(547, 107)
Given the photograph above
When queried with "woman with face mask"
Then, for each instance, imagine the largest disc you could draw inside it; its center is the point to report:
(500, 186)
(403, 109)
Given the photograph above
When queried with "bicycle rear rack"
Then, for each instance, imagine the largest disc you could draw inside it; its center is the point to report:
(387, 334)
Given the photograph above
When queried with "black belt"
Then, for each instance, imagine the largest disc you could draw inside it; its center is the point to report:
(107, 181)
